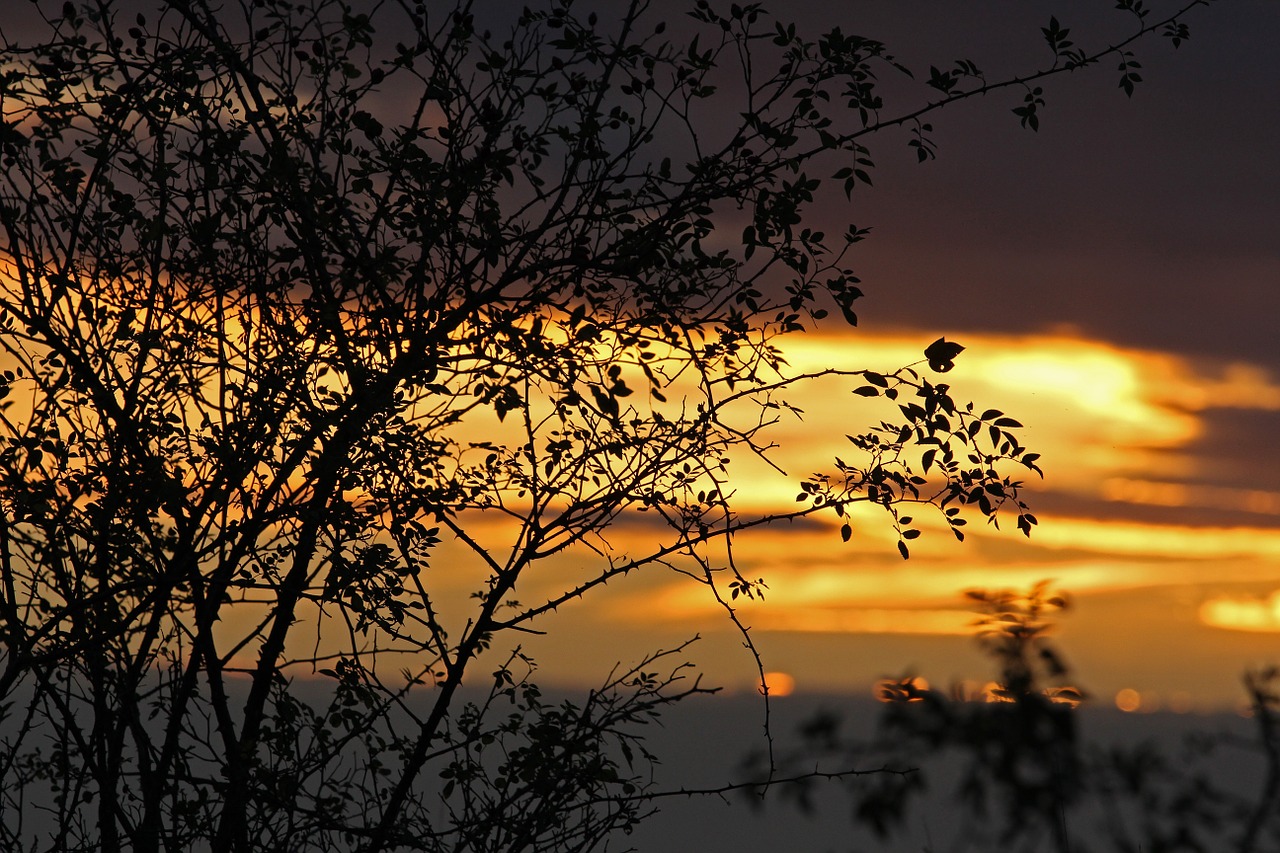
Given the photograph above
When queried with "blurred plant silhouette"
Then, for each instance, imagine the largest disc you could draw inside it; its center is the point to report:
(1016, 742)
(1023, 775)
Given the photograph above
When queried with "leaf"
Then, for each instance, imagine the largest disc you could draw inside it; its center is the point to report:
(849, 316)
(941, 354)
(845, 532)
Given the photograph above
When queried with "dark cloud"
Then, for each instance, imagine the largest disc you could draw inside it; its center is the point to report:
(1147, 222)
(1238, 449)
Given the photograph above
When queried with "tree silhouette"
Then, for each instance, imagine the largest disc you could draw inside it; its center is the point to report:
(296, 296)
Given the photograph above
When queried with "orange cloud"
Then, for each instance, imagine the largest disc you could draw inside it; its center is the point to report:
(1163, 541)
(1242, 614)
(1158, 493)
(865, 621)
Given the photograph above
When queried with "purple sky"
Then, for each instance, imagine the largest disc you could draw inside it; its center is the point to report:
(1148, 222)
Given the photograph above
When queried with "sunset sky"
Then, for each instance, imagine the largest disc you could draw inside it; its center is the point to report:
(359, 373)
(1116, 281)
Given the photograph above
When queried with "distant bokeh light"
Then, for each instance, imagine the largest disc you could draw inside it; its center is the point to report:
(1128, 700)
(779, 684)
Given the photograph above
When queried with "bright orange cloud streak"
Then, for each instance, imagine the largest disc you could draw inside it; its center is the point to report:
(1167, 541)
(1243, 614)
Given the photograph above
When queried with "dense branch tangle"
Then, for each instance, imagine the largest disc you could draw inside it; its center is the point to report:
(286, 304)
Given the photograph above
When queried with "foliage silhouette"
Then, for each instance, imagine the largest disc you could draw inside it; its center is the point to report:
(309, 313)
